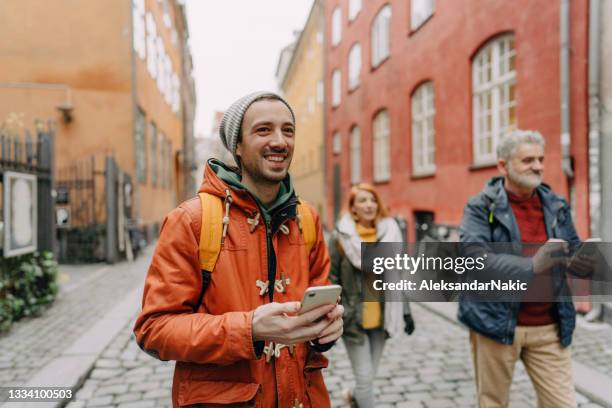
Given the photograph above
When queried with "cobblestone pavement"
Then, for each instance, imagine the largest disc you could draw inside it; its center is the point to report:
(592, 345)
(432, 368)
(32, 343)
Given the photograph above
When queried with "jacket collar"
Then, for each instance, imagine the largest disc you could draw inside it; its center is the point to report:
(219, 177)
(499, 207)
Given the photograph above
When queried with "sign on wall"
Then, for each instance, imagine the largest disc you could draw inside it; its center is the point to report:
(20, 213)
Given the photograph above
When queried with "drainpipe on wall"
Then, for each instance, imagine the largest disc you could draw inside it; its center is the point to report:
(566, 140)
(134, 81)
(326, 178)
(594, 117)
(605, 140)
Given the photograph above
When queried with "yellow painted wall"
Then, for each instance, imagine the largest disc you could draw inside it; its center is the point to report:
(85, 48)
(304, 74)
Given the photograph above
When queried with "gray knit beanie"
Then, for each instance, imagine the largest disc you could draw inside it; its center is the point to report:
(231, 124)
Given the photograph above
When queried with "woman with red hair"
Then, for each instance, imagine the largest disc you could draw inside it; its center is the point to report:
(367, 325)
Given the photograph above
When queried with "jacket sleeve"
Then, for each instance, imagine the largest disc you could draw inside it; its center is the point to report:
(167, 326)
(319, 257)
(335, 261)
(476, 241)
(319, 271)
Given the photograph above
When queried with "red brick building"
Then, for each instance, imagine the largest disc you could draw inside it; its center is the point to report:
(418, 105)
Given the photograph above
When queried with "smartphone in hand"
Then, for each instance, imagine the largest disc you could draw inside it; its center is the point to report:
(316, 296)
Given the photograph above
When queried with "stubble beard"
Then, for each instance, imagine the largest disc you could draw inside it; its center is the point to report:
(530, 181)
(260, 176)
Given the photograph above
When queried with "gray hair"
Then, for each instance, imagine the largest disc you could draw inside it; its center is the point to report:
(508, 144)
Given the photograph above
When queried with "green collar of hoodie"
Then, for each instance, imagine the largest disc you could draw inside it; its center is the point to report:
(231, 176)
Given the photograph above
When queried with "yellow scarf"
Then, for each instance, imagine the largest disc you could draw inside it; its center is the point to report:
(372, 312)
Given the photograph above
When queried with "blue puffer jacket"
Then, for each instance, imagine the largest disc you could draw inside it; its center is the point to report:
(488, 217)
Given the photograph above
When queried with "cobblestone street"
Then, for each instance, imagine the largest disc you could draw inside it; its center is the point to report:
(432, 368)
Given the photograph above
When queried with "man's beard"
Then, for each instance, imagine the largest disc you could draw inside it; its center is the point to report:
(531, 180)
(259, 176)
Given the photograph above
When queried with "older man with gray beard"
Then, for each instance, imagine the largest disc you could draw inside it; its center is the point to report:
(518, 208)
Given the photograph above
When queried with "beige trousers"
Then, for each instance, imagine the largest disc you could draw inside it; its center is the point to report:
(548, 365)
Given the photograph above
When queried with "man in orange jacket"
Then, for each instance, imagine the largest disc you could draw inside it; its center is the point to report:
(233, 331)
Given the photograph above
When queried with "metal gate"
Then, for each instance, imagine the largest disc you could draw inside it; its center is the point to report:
(23, 153)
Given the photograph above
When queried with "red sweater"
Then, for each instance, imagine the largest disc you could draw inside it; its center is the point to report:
(530, 218)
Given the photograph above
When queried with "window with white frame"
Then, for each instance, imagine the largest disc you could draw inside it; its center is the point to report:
(336, 143)
(176, 98)
(153, 157)
(336, 87)
(161, 66)
(354, 7)
(336, 31)
(382, 151)
(355, 155)
(138, 27)
(420, 10)
(494, 96)
(166, 18)
(381, 35)
(151, 45)
(320, 91)
(354, 66)
(423, 131)
(162, 159)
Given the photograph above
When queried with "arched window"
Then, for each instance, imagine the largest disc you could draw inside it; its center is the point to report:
(355, 155)
(381, 35)
(336, 31)
(354, 66)
(423, 131)
(336, 143)
(420, 10)
(353, 9)
(382, 156)
(493, 96)
(336, 87)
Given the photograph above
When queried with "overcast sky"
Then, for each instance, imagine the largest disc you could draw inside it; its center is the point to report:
(235, 46)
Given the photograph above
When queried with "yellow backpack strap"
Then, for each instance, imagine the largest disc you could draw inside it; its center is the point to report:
(307, 225)
(211, 230)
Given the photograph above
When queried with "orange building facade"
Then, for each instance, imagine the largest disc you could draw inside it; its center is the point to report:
(120, 72)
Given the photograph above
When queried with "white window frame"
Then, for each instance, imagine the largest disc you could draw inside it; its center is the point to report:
(336, 29)
(138, 28)
(423, 130)
(320, 92)
(354, 66)
(355, 149)
(381, 147)
(494, 112)
(381, 36)
(336, 143)
(176, 98)
(354, 7)
(336, 88)
(161, 66)
(420, 11)
(153, 158)
(151, 45)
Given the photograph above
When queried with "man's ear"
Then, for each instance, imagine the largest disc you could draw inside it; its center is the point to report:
(238, 149)
(501, 166)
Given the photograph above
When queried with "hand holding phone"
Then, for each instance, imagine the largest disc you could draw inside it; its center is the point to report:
(316, 296)
(582, 263)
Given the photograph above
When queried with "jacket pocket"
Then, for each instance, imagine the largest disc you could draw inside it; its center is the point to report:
(315, 386)
(210, 394)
